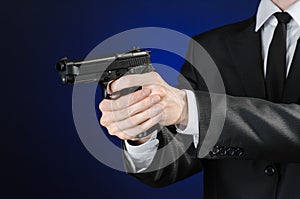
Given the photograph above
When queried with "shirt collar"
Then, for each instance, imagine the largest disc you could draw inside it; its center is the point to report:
(294, 11)
(265, 10)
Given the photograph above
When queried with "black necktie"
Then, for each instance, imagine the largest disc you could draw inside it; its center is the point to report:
(276, 64)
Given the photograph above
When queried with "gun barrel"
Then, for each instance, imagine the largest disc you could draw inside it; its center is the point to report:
(91, 70)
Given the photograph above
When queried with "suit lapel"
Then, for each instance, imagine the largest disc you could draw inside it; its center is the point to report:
(292, 86)
(245, 49)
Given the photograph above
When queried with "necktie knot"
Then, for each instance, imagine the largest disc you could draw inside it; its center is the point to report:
(283, 17)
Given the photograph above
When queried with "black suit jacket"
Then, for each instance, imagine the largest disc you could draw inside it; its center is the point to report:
(258, 152)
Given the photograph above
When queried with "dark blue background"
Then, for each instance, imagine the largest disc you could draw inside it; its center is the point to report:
(42, 156)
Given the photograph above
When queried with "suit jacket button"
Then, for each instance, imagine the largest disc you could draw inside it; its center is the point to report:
(223, 151)
(215, 151)
(270, 170)
(230, 151)
(239, 152)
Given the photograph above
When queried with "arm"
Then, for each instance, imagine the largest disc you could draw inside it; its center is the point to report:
(257, 128)
(261, 129)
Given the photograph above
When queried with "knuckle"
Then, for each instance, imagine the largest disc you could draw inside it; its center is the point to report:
(149, 101)
(102, 121)
(105, 120)
(122, 136)
(155, 75)
(157, 108)
(101, 105)
(104, 105)
(112, 130)
(161, 90)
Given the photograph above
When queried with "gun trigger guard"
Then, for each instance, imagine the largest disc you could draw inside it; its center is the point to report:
(109, 91)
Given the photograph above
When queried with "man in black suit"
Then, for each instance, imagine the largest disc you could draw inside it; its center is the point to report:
(257, 154)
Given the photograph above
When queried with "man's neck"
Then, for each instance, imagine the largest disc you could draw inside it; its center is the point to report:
(284, 4)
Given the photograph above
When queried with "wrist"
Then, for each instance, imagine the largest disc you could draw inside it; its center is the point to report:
(183, 117)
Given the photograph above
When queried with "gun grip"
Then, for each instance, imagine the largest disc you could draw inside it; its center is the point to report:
(149, 131)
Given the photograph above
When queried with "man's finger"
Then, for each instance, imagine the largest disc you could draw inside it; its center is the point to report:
(134, 80)
(119, 134)
(138, 107)
(139, 118)
(144, 126)
(124, 101)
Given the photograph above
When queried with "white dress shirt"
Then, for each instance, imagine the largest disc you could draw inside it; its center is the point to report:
(267, 22)
(141, 156)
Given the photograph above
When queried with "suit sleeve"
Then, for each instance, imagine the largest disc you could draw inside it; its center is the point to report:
(253, 129)
(174, 148)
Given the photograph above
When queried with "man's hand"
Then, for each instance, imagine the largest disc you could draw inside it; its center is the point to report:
(135, 113)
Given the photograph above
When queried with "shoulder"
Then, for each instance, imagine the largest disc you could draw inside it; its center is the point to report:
(217, 36)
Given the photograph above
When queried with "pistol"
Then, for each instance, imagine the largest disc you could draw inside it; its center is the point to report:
(107, 69)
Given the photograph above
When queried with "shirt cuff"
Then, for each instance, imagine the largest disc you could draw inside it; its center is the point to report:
(141, 156)
(192, 127)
